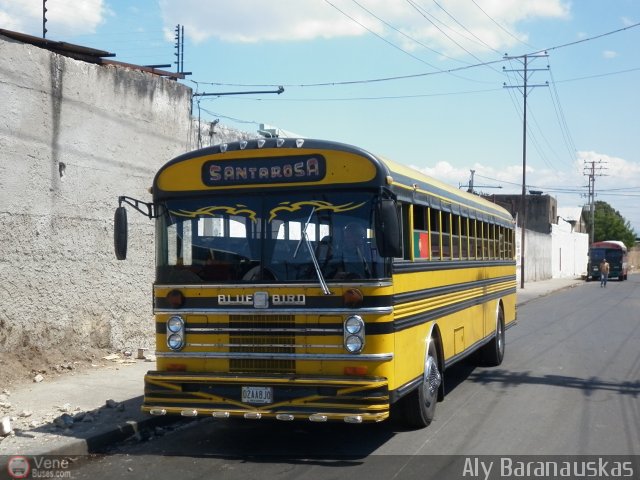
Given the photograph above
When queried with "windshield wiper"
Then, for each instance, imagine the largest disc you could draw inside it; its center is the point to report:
(316, 265)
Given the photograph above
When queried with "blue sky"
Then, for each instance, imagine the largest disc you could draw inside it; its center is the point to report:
(419, 81)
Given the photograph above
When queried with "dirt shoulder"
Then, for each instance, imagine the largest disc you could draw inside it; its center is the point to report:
(19, 368)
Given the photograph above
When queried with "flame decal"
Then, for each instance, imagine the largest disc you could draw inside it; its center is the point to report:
(210, 211)
(319, 205)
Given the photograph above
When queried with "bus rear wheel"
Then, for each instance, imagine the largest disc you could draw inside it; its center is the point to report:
(492, 353)
(419, 406)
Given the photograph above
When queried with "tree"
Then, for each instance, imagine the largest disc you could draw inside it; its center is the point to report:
(610, 225)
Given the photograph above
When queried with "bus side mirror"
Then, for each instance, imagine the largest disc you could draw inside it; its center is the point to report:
(120, 233)
(388, 237)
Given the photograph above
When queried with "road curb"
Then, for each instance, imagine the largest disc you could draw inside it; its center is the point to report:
(94, 444)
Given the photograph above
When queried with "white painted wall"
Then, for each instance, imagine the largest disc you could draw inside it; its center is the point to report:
(561, 254)
(569, 251)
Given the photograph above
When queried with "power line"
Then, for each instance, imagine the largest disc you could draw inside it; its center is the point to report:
(383, 97)
(482, 42)
(500, 26)
(380, 36)
(405, 35)
(425, 14)
(562, 121)
(426, 74)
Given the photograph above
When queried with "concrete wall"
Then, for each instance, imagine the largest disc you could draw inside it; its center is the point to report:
(634, 259)
(73, 137)
(541, 210)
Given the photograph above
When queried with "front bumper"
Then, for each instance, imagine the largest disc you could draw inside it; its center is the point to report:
(352, 400)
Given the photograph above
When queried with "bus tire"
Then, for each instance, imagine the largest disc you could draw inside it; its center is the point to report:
(419, 406)
(492, 354)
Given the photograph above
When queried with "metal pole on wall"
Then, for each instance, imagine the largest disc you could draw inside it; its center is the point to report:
(44, 18)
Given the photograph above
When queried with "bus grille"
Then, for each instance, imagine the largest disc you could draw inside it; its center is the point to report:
(268, 337)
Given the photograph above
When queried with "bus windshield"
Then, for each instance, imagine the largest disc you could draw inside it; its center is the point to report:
(268, 237)
(599, 254)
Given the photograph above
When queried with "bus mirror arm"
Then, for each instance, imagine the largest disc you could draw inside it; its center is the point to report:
(135, 203)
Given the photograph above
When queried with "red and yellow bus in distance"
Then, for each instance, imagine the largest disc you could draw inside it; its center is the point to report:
(301, 279)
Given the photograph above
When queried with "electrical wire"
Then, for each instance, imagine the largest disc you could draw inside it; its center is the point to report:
(405, 35)
(424, 74)
(382, 38)
(350, 99)
(425, 15)
(481, 42)
(500, 26)
(562, 121)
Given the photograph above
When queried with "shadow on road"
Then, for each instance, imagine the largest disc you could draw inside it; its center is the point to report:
(588, 385)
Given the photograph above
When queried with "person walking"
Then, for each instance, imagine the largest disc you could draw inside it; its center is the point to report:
(604, 272)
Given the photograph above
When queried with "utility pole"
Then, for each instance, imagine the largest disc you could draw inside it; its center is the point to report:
(470, 187)
(525, 91)
(598, 166)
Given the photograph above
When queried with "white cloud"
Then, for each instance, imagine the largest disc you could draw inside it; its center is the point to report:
(295, 20)
(617, 181)
(64, 17)
(609, 54)
(627, 22)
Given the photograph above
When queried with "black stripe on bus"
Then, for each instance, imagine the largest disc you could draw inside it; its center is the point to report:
(312, 303)
(421, 318)
(431, 265)
(374, 328)
(401, 298)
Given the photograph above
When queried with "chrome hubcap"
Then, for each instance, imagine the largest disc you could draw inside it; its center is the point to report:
(432, 378)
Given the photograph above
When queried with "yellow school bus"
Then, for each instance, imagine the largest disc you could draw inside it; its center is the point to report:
(301, 279)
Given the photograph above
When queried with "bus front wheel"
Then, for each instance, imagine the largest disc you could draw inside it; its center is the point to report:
(419, 406)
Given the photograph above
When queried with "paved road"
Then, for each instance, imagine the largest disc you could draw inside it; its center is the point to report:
(569, 385)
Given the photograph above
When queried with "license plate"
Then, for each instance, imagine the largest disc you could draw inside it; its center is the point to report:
(257, 395)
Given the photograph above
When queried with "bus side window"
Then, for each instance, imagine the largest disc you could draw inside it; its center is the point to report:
(473, 241)
(464, 223)
(420, 233)
(446, 234)
(455, 236)
(434, 229)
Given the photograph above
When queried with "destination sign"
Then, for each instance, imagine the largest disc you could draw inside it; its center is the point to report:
(307, 168)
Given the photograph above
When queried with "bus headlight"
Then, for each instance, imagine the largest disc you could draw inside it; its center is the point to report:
(175, 324)
(353, 344)
(354, 334)
(175, 341)
(354, 324)
(175, 333)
